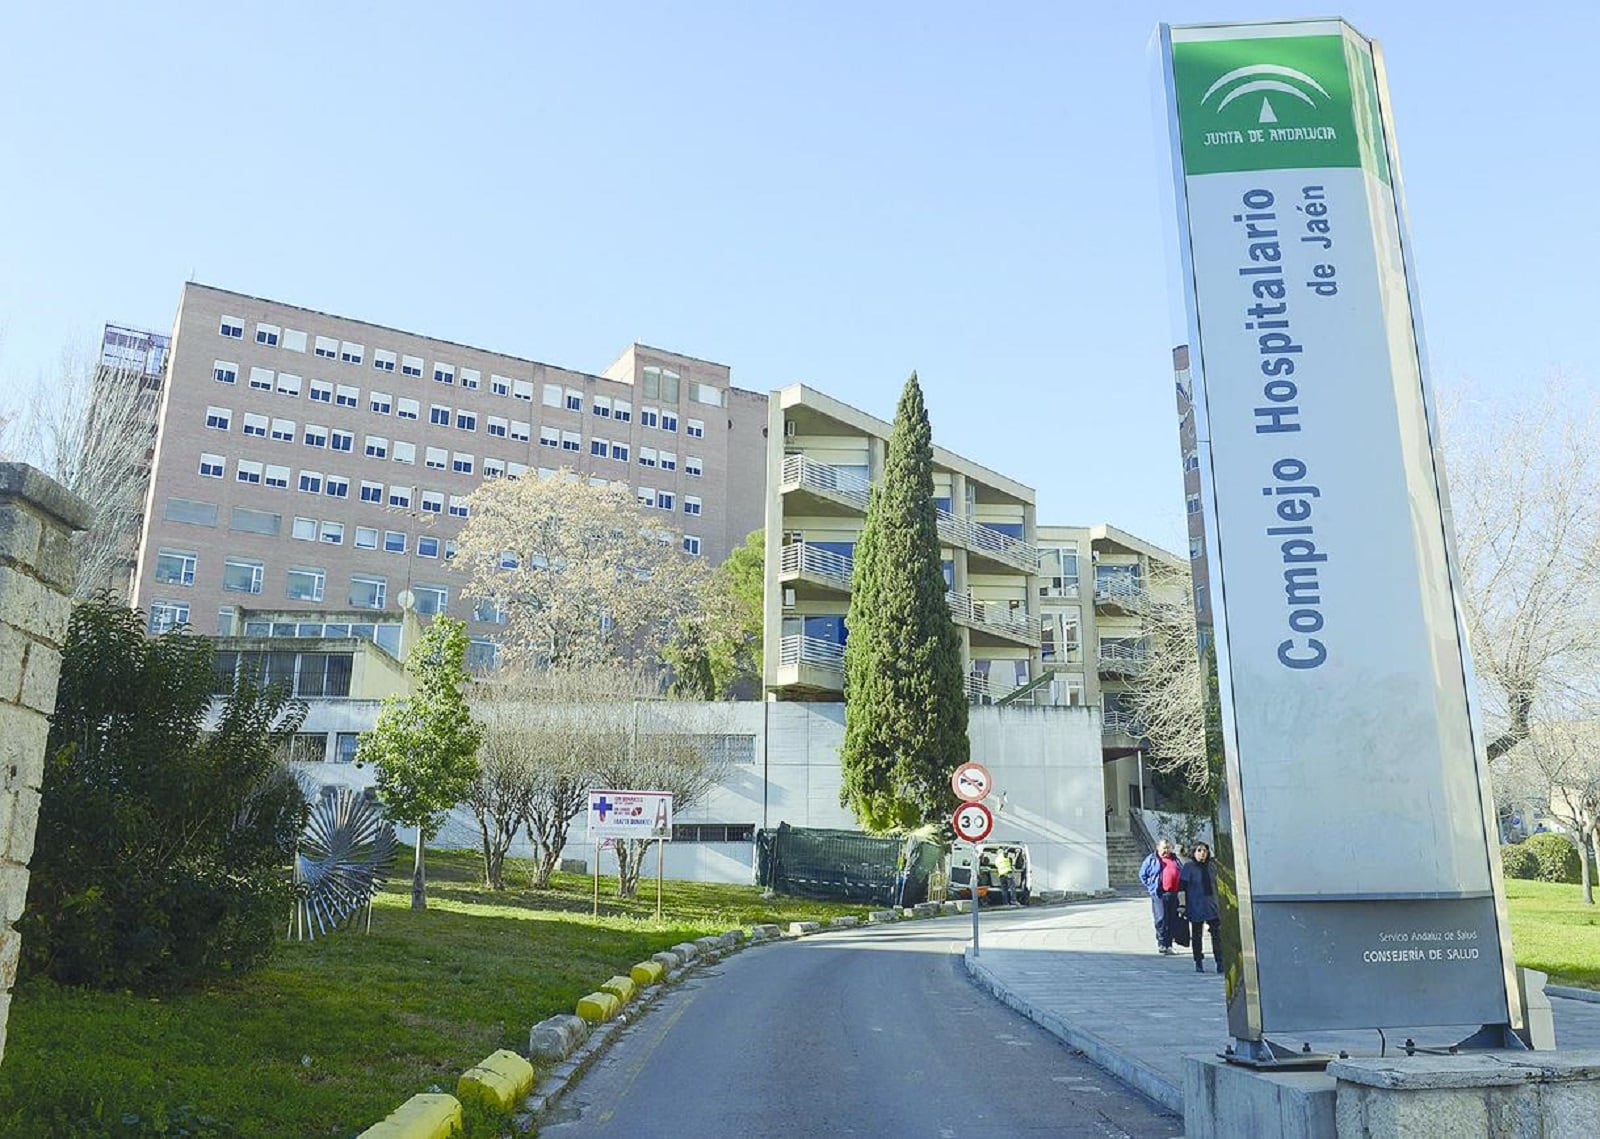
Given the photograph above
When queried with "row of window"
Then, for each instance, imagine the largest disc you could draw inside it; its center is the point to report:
(257, 426)
(659, 383)
(278, 477)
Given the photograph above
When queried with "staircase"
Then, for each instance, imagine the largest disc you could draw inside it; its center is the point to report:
(1124, 853)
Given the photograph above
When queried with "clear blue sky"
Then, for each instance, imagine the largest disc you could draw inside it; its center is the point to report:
(828, 193)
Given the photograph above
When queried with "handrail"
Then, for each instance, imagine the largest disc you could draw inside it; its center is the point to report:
(798, 557)
(1122, 654)
(796, 649)
(1119, 588)
(1117, 721)
(990, 614)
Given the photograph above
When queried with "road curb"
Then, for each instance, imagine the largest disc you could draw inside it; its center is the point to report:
(1150, 1082)
(1567, 992)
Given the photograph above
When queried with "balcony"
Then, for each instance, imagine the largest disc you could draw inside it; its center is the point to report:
(838, 488)
(814, 564)
(809, 667)
(1119, 659)
(1121, 733)
(1122, 591)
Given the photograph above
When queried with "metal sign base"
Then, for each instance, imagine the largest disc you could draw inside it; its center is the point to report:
(1266, 1054)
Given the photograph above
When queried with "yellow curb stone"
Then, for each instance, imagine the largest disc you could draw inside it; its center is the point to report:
(598, 1007)
(500, 1082)
(619, 987)
(646, 973)
(426, 1116)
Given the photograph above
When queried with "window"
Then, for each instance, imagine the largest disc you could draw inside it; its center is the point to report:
(366, 538)
(649, 417)
(232, 327)
(705, 393)
(695, 429)
(520, 431)
(450, 548)
(571, 441)
(267, 334)
(574, 399)
(277, 477)
(619, 452)
(509, 560)
(667, 500)
(372, 492)
(622, 410)
(306, 584)
(342, 440)
(552, 395)
(283, 430)
(470, 378)
(345, 743)
(602, 406)
(400, 497)
(321, 391)
(255, 425)
(693, 466)
(351, 353)
(439, 415)
(433, 501)
(212, 466)
(496, 426)
(487, 609)
(315, 436)
(380, 402)
(427, 546)
(368, 592)
(522, 389)
(175, 567)
(600, 447)
(311, 482)
(247, 521)
(669, 421)
(411, 365)
(431, 599)
(482, 655)
(394, 541)
(168, 615)
(493, 468)
(288, 385)
(599, 480)
(549, 437)
(669, 386)
(458, 506)
(691, 544)
(247, 471)
(331, 533)
(224, 372)
(466, 421)
(436, 458)
(241, 576)
(346, 396)
(377, 447)
(405, 452)
(327, 347)
(294, 341)
(461, 463)
(691, 505)
(669, 460)
(444, 373)
(261, 379)
(647, 456)
(337, 486)
(499, 385)
(219, 418)
(516, 470)
(408, 408)
(308, 747)
(305, 529)
(1192, 504)
(646, 496)
(190, 511)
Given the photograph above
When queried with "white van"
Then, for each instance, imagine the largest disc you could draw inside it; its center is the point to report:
(989, 894)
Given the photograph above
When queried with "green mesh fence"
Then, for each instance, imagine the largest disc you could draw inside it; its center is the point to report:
(838, 865)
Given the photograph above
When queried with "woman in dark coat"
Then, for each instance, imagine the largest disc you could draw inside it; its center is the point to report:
(1199, 884)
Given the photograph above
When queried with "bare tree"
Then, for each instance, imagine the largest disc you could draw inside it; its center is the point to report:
(1524, 479)
(500, 797)
(92, 428)
(1167, 693)
(1558, 766)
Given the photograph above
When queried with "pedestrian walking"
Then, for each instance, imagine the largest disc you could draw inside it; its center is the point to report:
(1161, 875)
(1199, 883)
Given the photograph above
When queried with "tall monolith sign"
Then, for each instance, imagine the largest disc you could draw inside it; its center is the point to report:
(1365, 876)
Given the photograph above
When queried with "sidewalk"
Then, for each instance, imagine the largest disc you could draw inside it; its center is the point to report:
(1090, 974)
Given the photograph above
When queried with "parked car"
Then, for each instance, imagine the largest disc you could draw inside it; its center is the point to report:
(989, 893)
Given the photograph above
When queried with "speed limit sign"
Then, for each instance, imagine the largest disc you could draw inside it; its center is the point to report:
(973, 822)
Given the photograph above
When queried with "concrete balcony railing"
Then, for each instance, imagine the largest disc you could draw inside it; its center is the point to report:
(1122, 658)
(1124, 723)
(1123, 591)
(803, 471)
(794, 651)
(799, 559)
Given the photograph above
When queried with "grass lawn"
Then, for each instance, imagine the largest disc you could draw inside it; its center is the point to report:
(334, 1034)
(1554, 932)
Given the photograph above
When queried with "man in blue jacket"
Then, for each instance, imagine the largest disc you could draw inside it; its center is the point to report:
(1161, 874)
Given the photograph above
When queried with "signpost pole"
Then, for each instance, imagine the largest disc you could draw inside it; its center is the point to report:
(597, 845)
(975, 857)
(659, 843)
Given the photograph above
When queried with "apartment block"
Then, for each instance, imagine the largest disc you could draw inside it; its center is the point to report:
(310, 462)
(823, 456)
(119, 436)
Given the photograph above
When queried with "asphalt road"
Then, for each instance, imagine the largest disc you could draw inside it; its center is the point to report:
(876, 1032)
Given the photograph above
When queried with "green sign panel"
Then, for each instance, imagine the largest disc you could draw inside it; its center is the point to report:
(1277, 103)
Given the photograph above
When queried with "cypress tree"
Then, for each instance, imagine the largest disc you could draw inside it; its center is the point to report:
(905, 705)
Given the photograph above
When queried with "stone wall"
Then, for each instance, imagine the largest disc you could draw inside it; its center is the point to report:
(37, 562)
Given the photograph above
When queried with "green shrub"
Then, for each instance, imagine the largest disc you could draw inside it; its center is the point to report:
(1519, 861)
(161, 850)
(1556, 857)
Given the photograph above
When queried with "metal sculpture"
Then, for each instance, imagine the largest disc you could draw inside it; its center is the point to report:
(341, 861)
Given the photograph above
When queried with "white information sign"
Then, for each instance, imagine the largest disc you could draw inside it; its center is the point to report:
(630, 814)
